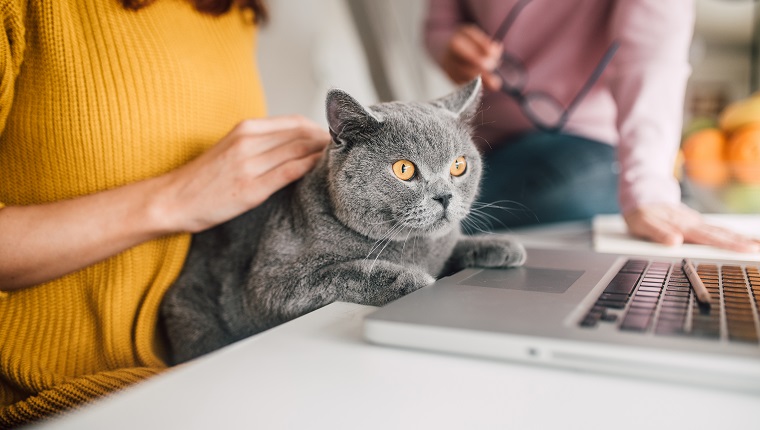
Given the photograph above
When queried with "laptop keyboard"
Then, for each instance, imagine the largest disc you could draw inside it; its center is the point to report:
(656, 297)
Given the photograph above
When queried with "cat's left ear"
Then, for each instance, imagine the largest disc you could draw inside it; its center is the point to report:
(463, 102)
(346, 117)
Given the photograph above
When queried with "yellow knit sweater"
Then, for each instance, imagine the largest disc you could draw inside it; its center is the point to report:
(93, 96)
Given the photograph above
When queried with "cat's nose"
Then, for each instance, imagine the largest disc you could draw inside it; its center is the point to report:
(443, 199)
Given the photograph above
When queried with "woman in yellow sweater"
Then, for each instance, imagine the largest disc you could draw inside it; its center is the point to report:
(124, 126)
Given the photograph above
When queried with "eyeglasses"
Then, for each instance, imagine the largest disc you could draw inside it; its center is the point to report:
(541, 108)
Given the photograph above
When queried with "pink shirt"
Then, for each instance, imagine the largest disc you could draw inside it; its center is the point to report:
(636, 105)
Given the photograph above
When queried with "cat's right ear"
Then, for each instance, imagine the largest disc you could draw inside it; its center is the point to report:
(346, 117)
(465, 101)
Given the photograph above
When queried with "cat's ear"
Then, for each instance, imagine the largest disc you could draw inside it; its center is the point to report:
(463, 102)
(346, 117)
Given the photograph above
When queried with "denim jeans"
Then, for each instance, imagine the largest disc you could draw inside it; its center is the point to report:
(545, 177)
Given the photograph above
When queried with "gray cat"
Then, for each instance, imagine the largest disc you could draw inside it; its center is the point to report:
(379, 217)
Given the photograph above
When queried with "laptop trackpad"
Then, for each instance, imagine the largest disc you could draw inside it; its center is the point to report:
(525, 279)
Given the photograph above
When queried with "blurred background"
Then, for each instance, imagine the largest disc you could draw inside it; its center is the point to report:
(373, 49)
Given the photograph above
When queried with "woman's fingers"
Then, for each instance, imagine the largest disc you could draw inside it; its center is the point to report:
(675, 224)
(471, 53)
(259, 126)
(282, 154)
(245, 142)
(279, 177)
(645, 225)
(473, 46)
(706, 234)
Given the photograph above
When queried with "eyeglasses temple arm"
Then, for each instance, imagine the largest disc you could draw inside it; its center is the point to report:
(593, 78)
(500, 32)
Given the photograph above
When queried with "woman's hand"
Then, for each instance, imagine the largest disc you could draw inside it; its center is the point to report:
(676, 224)
(256, 159)
(471, 53)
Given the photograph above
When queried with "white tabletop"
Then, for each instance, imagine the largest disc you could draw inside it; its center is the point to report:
(317, 372)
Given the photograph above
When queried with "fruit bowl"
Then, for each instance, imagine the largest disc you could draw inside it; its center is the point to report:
(712, 187)
(720, 162)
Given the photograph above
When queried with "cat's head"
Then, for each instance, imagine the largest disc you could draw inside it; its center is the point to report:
(403, 169)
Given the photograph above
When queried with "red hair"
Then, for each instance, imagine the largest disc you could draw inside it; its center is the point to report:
(212, 7)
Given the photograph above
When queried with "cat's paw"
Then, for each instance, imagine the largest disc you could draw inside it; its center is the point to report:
(411, 280)
(406, 282)
(498, 252)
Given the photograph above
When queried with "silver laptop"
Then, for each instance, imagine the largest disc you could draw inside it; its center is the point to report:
(628, 315)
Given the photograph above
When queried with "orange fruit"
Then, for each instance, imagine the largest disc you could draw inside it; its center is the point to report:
(740, 114)
(744, 154)
(704, 154)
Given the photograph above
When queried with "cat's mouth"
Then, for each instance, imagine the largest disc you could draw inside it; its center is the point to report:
(427, 222)
(442, 222)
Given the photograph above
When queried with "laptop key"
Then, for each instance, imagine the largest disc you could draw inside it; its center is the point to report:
(623, 283)
(635, 322)
(589, 321)
(612, 304)
(634, 266)
(613, 296)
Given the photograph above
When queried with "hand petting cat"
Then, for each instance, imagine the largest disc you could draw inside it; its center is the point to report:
(255, 159)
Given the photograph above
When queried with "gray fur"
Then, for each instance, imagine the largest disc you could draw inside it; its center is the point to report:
(348, 231)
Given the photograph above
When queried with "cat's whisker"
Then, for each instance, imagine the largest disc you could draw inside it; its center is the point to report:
(478, 222)
(514, 208)
(378, 243)
(387, 241)
(478, 228)
(414, 248)
(486, 219)
(498, 204)
(389, 238)
(398, 225)
(406, 239)
(388, 233)
(381, 222)
(379, 225)
(468, 230)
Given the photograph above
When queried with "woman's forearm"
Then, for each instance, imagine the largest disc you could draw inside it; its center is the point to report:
(42, 242)
(258, 157)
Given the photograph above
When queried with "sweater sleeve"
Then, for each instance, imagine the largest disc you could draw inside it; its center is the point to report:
(443, 18)
(12, 44)
(648, 85)
(11, 54)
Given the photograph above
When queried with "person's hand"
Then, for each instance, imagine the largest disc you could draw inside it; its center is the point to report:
(676, 224)
(256, 159)
(469, 53)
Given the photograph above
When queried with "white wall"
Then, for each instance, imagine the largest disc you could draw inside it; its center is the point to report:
(720, 54)
(307, 48)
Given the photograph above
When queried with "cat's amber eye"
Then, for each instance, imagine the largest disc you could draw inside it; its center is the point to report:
(458, 167)
(404, 169)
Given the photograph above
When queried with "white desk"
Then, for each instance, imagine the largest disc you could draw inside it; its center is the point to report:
(317, 372)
